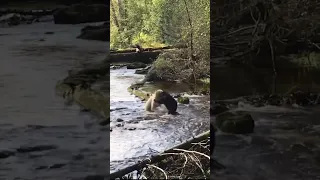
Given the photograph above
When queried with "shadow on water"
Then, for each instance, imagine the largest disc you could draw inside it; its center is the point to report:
(136, 133)
(285, 142)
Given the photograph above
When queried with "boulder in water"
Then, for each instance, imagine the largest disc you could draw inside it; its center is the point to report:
(183, 100)
(217, 109)
(95, 34)
(238, 122)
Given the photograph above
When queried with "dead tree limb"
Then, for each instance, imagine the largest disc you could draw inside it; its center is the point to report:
(159, 157)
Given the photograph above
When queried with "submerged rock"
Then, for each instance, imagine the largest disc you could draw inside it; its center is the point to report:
(239, 122)
(53, 166)
(6, 153)
(119, 125)
(130, 129)
(78, 157)
(120, 120)
(95, 34)
(183, 100)
(49, 32)
(26, 149)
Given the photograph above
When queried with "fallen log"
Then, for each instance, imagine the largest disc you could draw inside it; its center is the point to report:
(157, 158)
(145, 57)
(146, 49)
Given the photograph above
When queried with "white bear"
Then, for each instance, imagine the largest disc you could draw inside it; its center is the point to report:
(152, 103)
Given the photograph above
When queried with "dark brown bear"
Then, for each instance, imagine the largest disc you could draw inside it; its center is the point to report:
(170, 103)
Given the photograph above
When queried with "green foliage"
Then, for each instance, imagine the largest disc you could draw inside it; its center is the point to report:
(158, 22)
(171, 65)
(154, 23)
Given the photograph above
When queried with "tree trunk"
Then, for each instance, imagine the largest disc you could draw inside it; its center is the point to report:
(114, 15)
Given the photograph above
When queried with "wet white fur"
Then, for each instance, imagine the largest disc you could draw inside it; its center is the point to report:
(150, 104)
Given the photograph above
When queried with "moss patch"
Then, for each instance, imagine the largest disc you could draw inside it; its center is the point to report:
(142, 94)
(88, 98)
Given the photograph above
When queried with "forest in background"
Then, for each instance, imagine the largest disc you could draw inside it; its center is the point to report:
(158, 23)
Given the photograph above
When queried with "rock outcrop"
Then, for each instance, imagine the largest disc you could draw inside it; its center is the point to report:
(238, 122)
(99, 33)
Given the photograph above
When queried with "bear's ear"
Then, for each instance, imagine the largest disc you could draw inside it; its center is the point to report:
(148, 95)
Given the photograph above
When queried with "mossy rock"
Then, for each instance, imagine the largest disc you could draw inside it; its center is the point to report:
(239, 122)
(183, 100)
(93, 101)
(88, 98)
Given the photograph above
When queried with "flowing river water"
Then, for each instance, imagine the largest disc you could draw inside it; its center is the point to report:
(48, 138)
(286, 140)
(137, 134)
(31, 114)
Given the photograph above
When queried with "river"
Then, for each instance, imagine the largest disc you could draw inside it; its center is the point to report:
(137, 134)
(285, 141)
(31, 114)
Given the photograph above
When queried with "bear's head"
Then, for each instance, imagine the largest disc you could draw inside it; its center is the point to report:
(157, 95)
